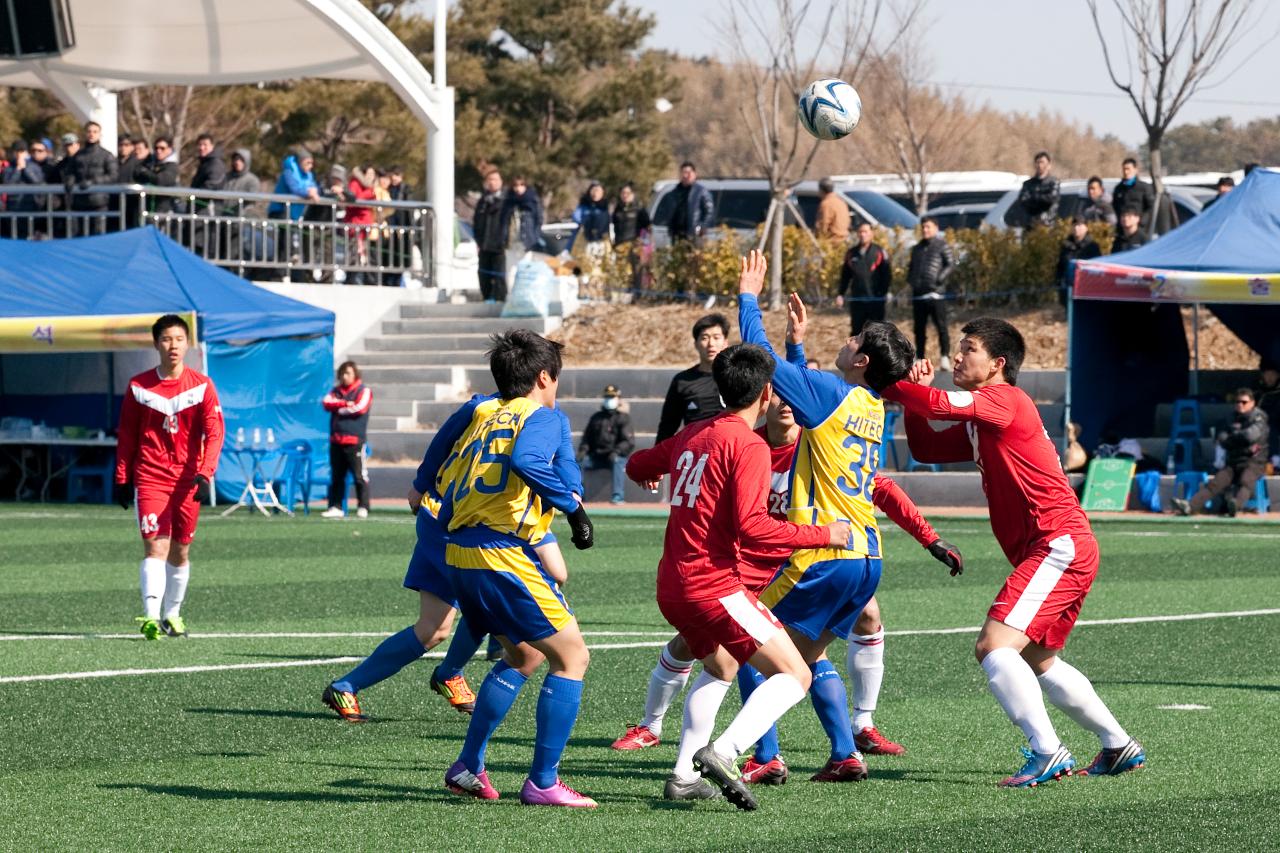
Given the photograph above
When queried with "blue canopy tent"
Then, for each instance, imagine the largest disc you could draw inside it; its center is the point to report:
(1128, 351)
(65, 305)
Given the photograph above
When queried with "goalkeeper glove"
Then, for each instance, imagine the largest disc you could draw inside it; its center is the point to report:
(201, 495)
(122, 493)
(583, 535)
(949, 554)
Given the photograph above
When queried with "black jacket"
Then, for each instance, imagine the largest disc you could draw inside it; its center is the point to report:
(92, 165)
(1072, 251)
(159, 173)
(1269, 402)
(1098, 211)
(692, 396)
(693, 213)
(865, 274)
(1124, 243)
(1039, 200)
(400, 218)
(608, 435)
(1245, 438)
(931, 264)
(628, 221)
(127, 172)
(211, 172)
(1140, 196)
(349, 428)
(487, 222)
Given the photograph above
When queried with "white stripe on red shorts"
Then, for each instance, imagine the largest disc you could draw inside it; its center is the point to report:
(1061, 552)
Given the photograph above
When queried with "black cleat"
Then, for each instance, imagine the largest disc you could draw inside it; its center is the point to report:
(724, 774)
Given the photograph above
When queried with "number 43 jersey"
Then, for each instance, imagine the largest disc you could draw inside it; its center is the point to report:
(720, 472)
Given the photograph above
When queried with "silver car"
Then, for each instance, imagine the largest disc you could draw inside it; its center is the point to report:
(1072, 195)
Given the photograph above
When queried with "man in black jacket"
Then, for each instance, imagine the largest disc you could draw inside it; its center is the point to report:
(160, 170)
(1131, 235)
(128, 159)
(693, 394)
(211, 171)
(866, 276)
(1245, 442)
(1039, 195)
(1080, 246)
(693, 210)
(608, 440)
(931, 264)
(491, 238)
(92, 165)
(1131, 192)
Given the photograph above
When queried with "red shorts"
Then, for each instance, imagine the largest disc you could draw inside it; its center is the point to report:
(1042, 597)
(168, 510)
(737, 621)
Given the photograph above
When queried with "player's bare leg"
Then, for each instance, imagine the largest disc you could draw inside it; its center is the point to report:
(666, 681)
(866, 672)
(831, 704)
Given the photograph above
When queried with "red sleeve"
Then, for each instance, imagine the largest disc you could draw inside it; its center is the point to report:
(931, 446)
(749, 485)
(332, 402)
(653, 463)
(890, 499)
(992, 405)
(127, 437)
(362, 402)
(214, 431)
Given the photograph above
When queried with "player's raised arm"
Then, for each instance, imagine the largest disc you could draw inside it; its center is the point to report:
(749, 490)
(650, 464)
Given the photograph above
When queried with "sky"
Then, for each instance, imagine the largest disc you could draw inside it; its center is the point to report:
(1027, 55)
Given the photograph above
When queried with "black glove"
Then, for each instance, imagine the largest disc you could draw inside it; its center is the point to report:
(201, 495)
(949, 554)
(122, 493)
(583, 535)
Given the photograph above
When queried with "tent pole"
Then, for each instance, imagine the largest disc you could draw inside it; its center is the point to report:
(1195, 346)
(1066, 397)
(204, 368)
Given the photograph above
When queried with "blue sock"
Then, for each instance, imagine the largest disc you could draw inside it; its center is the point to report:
(557, 712)
(392, 655)
(494, 699)
(461, 649)
(749, 678)
(832, 704)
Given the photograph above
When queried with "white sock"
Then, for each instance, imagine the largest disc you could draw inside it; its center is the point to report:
(1014, 685)
(866, 671)
(700, 709)
(668, 679)
(764, 707)
(1070, 690)
(175, 588)
(151, 579)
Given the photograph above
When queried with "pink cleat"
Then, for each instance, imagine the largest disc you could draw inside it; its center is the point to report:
(460, 780)
(558, 794)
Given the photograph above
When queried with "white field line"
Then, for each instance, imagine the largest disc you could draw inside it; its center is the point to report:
(110, 673)
(284, 635)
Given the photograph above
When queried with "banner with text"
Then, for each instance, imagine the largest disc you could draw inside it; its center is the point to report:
(91, 333)
(1101, 280)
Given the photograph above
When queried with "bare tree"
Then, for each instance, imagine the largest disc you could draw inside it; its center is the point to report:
(779, 46)
(1167, 59)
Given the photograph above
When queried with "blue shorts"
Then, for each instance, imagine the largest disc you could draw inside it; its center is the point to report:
(427, 571)
(826, 595)
(501, 586)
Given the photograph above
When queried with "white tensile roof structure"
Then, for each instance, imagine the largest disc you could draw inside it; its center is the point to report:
(120, 44)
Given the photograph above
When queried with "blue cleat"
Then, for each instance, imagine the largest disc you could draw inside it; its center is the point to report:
(1041, 767)
(1113, 762)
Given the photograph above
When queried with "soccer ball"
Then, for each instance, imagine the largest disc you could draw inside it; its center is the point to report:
(829, 108)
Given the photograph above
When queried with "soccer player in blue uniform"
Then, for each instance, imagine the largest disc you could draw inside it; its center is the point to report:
(497, 487)
(818, 594)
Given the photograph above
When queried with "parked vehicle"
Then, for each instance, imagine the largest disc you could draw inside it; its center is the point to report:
(960, 215)
(945, 188)
(1007, 213)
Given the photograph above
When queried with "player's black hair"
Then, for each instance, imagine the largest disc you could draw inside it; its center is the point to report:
(741, 372)
(168, 321)
(517, 357)
(707, 322)
(343, 367)
(1001, 340)
(890, 352)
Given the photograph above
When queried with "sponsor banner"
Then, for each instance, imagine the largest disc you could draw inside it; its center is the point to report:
(81, 333)
(1100, 280)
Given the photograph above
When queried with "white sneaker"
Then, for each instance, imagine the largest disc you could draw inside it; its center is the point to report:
(362, 513)
(333, 512)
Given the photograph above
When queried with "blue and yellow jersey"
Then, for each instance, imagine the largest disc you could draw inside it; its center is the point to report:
(836, 458)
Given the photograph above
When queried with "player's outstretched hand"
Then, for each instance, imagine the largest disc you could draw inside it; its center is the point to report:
(797, 319)
(583, 532)
(751, 276)
(949, 555)
(122, 493)
(201, 495)
(839, 531)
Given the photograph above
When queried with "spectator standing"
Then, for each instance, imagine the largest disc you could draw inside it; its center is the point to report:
(867, 277)
(1269, 402)
(931, 264)
(131, 154)
(1225, 185)
(631, 230)
(1131, 235)
(832, 222)
(1079, 246)
(348, 405)
(91, 166)
(491, 238)
(248, 243)
(211, 171)
(522, 223)
(608, 440)
(160, 169)
(360, 218)
(70, 147)
(1039, 194)
(1131, 192)
(36, 169)
(592, 216)
(692, 210)
(398, 190)
(297, 177)
(1096, 207)
(693, 394)
(1244, 441)
(127, 156)
(12, 163)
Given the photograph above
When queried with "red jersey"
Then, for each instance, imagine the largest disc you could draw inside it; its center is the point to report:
(1030, 499)
(170, 429)
(720, 474)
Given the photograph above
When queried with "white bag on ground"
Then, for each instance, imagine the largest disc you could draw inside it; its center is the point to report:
(530, 294)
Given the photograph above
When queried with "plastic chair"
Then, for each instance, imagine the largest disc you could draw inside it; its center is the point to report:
(1187, 483)
(79, 476)
(890, 423)
(296, 475)
(1261, 500)
(1184, 435)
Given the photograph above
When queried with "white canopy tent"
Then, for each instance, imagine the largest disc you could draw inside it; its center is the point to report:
(120, 44)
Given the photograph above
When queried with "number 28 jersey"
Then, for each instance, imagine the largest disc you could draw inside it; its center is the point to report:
(720, 475)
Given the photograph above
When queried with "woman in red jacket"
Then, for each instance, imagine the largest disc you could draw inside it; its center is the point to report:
(348, 406)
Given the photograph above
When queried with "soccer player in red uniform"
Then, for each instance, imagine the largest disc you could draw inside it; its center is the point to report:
(720, 476)
(169, 439)
(1039, 524)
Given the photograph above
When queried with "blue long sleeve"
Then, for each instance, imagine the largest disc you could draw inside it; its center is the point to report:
(424, 482)
(566, 462)
(536, 446)
(795, 354)
(812, 394)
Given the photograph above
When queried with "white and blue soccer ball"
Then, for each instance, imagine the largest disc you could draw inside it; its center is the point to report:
(829, 108)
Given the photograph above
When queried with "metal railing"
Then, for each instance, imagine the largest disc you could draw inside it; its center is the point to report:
(256, 235)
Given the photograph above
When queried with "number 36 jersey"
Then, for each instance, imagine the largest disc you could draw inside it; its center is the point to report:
(720, 473)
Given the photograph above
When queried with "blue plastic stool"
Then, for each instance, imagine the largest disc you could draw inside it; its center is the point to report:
(296, 475)
(1184, 435)
(77, 487)
(890, 423)
(1261, 500)
(1187, 483)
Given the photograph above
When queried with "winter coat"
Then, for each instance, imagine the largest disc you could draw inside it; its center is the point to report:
(593, 219)
(865, 274)
(128, 170)
(91, 166)
(1140, 196)
(1084, 250)
(608, 435)
(244, 182)
(931, 264)
(1124, 243)
(487, 222)
(524, 213)
(832, 221)
(403, 192)
(1245, 438)
(1269, 402)
(1039, 200)
(1098, 211)
(211, 172)
(360, 214)
(33, 174)
(292, 181)
(159, 173)
(694, 212)
(629, 222)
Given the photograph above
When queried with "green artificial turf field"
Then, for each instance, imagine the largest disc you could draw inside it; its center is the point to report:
(232, 757)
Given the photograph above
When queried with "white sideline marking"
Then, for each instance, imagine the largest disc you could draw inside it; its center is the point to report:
(108, 673)
(1182, 707)
(285, 635)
